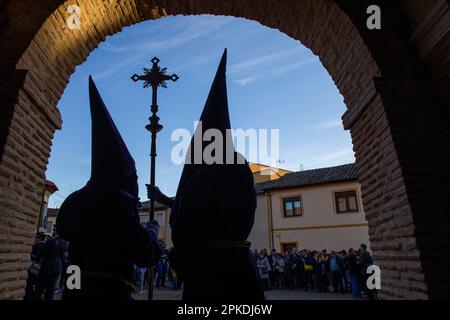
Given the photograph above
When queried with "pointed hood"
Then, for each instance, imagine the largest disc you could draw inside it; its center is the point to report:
(215, 112)
(219, 198)
(214, 115)
(111, 162)
(113, 183)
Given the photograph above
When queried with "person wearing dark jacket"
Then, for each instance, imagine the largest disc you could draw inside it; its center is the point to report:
(33, 273)
(64, 259)
(51, 265)
(101, 220)
(294, 261)
(300, 276)
(308, 266)
(355, 273)
(365, 260)
(321, 274)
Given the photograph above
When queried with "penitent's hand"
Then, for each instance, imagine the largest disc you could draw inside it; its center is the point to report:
(157, 192)
(153, 226)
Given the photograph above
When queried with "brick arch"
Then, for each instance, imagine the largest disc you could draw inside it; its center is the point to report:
(103, 18)
(50, 52)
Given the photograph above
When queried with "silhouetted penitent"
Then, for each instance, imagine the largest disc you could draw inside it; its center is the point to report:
(101, 220)
(212, 216)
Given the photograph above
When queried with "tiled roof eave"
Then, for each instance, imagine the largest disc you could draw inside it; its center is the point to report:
(272, 188)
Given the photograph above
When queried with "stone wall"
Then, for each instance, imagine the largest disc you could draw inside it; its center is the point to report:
(394, 173)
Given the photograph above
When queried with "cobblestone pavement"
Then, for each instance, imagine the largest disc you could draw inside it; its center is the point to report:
(165, 294)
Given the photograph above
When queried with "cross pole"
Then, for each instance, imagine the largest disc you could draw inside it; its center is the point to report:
(155, 77)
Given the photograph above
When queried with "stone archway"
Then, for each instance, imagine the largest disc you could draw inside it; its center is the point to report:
(392, 107)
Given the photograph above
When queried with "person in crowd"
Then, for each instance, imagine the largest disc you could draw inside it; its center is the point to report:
(287, 270)
(365, 261)
(355, 273)
(64, 260)
(273, 274)
(321, 274)
(336, 270)
(294, 260)
(264, 269)
(140, 279)
(309, 265)
(279, 267)
(51, 265)
(162, 268)
(33, 270)
(346, 275)
(301, 270)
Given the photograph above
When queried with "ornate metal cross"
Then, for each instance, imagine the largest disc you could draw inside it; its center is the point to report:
(154, 78)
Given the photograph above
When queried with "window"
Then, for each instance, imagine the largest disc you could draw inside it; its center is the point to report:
(346, 201)
(292, 207)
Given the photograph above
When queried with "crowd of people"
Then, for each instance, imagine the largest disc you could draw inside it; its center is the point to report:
(338, 272)
(163, 275)
(49, 261)
(49, 257)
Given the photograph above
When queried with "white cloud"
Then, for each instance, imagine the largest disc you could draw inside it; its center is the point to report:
(259, 60)
(173, 38)
(274, 73)
(141, 49)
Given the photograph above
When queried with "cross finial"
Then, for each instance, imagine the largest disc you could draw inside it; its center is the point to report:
(156, 76)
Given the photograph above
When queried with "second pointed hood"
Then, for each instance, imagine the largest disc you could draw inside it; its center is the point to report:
(214, 115)
(111, 162)
(217, 197)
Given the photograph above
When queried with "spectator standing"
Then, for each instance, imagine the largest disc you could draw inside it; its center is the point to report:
(64, 260)
(294, 260)
(33, 270)
(309, 263)
(355, 273)
(162, 272)
(336, 269)
(51, 265)
(273, 274)
(365, 260)
(264, 267)
(279, 266)
(321, 274)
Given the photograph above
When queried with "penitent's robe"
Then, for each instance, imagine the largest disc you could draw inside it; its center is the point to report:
(106, 240)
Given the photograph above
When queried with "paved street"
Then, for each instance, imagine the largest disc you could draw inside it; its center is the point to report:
(163, 294)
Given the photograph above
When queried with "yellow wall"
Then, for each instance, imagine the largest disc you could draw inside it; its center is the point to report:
(319, 228)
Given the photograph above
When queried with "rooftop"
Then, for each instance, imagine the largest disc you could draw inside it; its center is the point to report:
(346, 172)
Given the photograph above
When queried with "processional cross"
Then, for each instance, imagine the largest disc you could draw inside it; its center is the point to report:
(154, 78)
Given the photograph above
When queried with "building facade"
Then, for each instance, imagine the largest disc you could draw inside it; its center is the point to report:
(314, 209)
(45, 224)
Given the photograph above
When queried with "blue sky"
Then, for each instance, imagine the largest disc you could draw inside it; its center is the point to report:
(274, 82)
